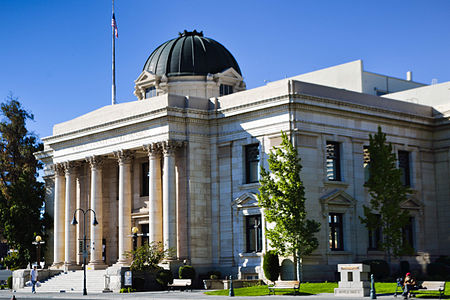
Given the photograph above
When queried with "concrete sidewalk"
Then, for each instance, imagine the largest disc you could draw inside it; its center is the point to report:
(196, 294)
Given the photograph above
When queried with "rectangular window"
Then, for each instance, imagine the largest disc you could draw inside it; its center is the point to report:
(144, 231)
(336, 231)
(225, 89)
(333, 161)
(408, 234)
(366, 163)
(150, 92)
(253, 233)
(144, 179)
(404, 166)
(375, 237)
(251, 163)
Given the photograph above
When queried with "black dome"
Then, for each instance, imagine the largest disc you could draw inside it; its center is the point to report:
(190, 54)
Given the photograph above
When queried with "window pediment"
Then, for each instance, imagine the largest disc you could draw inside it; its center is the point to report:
(246, 200)
(411, 204)
(336, 198)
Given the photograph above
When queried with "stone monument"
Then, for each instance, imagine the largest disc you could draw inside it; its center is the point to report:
(354, 281)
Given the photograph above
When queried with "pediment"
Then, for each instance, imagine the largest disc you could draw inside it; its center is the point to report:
(246, 200)
(338, 198)
(145, 76)
(411, 204)
(230, 72)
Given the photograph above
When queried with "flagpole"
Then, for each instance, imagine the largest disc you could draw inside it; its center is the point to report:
(113, 94)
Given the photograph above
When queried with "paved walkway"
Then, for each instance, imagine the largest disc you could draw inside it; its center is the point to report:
(196, 294)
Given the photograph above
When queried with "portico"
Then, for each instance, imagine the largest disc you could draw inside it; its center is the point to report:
(162, 202)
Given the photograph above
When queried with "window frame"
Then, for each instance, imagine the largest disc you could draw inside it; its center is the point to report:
(150, 92)
(336, 241)
(333, 162)
(250, 234)
(248, 162)
(145, 179)
(404, 164)
(225, 89)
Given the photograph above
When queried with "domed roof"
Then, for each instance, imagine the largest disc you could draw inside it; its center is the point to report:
(190, 54)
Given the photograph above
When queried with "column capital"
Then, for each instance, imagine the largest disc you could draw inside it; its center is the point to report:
(124, 156)
(170, 146)
(95, 162)
(70, 166)
(153, 149)
(58, 169)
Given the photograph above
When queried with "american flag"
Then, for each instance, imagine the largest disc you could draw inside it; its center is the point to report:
(114, 25)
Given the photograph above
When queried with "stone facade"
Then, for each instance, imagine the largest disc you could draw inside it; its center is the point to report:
(198, 199)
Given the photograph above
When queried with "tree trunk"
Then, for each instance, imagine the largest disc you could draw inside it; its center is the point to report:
(299, 270)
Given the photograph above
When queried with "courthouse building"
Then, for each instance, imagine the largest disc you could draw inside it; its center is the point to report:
(181, 162)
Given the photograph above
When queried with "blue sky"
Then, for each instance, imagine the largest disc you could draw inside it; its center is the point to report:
(56, 55)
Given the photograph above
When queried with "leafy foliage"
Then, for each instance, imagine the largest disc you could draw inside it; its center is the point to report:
(387, 193)
(148, 256)
(186, 272)
(21, 195)
(271, 265)
(164, 277)
(282, 195)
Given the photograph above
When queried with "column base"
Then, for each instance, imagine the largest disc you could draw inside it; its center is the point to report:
(71, 266)
(57, 266)
(122, 263)
(97, 265)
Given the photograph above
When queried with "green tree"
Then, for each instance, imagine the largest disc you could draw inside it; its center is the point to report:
(282, 195)
(386, 195)
(271, 265)
(21, 194)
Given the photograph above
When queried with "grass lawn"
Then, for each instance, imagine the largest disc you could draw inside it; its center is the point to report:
(317, 288)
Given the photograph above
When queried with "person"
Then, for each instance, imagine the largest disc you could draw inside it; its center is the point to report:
(408, 285)
(34, 276)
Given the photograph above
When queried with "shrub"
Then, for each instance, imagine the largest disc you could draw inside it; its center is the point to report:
(9, 282)
(378, 267)
(148, 256)
(438, 270)
(164, 277)
(127, 290)
(186, 272)
(214, 275)
(271, 265)
(14, 261)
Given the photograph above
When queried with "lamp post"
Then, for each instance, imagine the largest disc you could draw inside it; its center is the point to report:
(74, 222)
(38, 241)
(134, 232)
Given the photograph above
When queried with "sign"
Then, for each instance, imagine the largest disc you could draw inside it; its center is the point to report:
(128, 278)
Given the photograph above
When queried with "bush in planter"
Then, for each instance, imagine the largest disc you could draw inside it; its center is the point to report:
(271, 265)
(148, 256)
(378, 267)
(164, 277)
(186, 272)
(9, 282)
(438, 271)
(214, 275)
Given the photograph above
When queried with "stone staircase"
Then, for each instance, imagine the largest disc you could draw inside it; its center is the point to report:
(72, 281)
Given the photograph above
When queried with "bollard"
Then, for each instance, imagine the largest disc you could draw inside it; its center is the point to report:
(373, 293)
(231, 293)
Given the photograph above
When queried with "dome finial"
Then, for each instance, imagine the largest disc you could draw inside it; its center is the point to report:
(190, 33)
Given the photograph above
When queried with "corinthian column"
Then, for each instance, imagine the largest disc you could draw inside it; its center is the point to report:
(125, 158)
(70, 206)
(169, 196)
(96, 261)
(59, 217)
(155, 228)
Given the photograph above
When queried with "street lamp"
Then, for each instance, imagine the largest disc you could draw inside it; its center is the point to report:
(38, 241)
(74, 222)
(134, 232)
